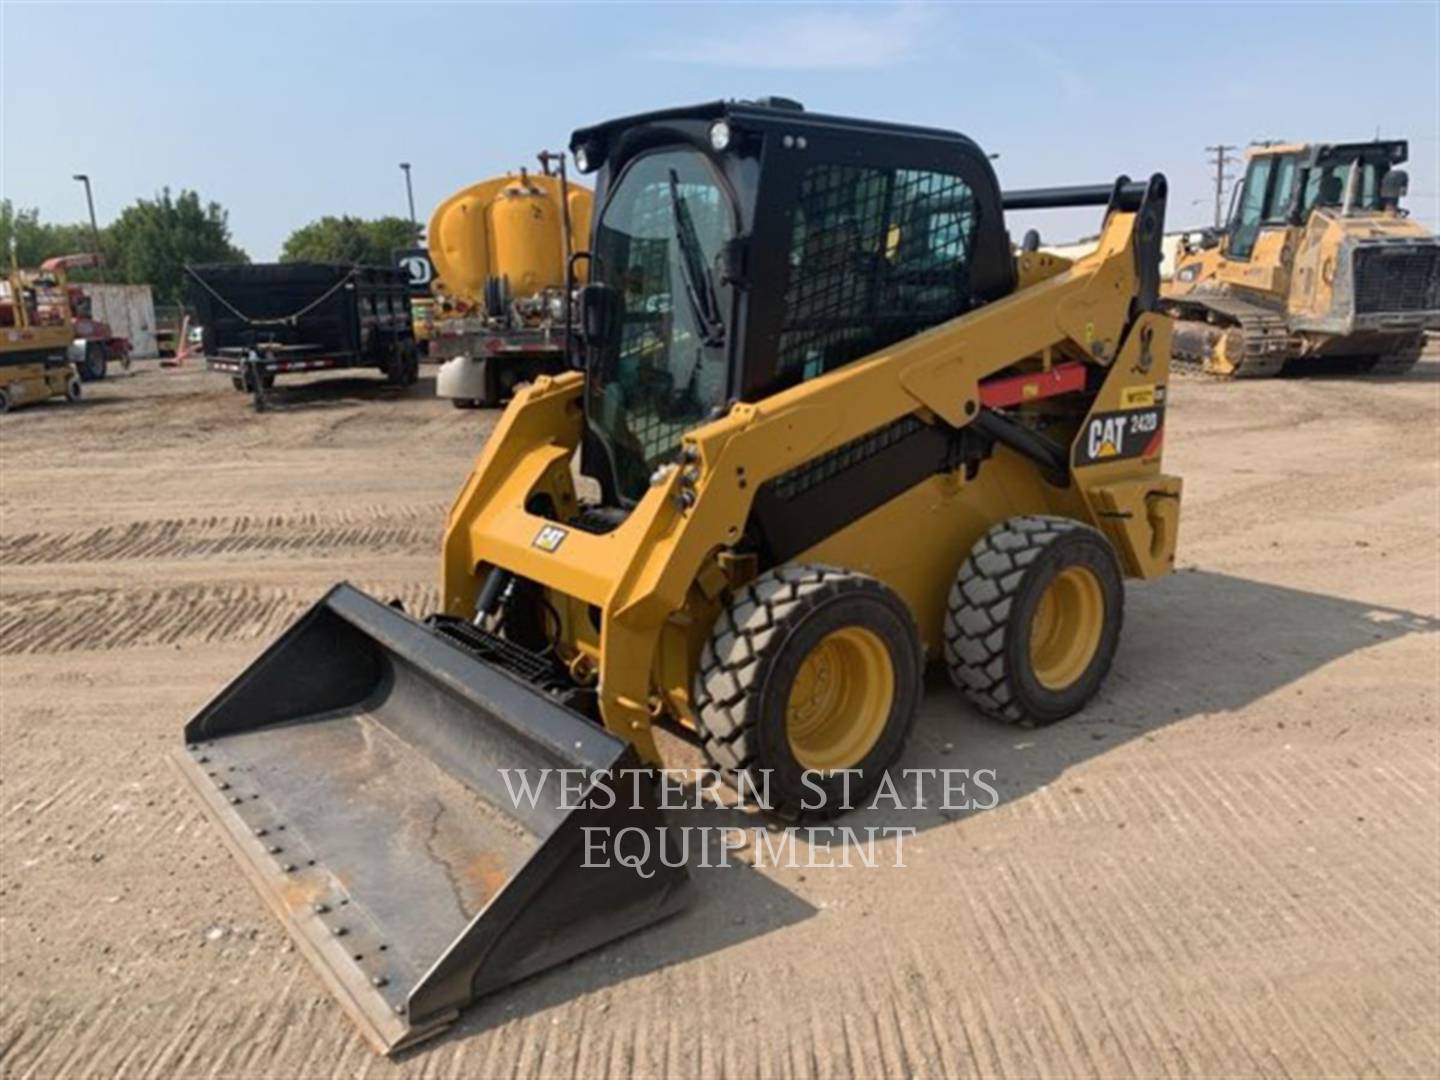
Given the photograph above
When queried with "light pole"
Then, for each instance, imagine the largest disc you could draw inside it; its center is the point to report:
(90, 202)
(410, 195)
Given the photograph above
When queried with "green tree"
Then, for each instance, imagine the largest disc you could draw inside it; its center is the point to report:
(152, 241)
(36, 241)
(349, 240)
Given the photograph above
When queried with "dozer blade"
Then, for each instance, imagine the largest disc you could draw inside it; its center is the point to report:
(354, 769)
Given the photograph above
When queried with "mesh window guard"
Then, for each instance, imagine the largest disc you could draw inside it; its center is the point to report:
(876, 255)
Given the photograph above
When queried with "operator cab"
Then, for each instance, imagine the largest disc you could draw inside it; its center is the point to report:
(743, 247)
(1283, 185)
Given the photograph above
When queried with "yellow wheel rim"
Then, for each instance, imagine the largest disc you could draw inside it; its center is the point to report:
(1065, 630)
(840, 700)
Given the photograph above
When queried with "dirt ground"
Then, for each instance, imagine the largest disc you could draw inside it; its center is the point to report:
(1226, 865)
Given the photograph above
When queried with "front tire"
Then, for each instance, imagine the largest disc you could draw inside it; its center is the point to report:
(810, 670)
(73, 390)
(1033, 619)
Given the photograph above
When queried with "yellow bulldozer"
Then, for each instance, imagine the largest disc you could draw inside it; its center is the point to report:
(502, 251)
(836, 427)
(1319, 268)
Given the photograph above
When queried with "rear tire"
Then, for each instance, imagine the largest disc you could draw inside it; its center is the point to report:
(72, 389)
(4, 402)
(811, 669)
(1033, 619)
(96, 361)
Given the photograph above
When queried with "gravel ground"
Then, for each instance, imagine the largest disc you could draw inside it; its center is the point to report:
(1227, 864)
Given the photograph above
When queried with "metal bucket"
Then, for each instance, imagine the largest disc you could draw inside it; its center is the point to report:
(355, 770)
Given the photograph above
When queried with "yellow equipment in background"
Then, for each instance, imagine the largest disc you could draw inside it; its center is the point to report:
(36, 329)
(502, 255)
(836, 428)
(1319, 269)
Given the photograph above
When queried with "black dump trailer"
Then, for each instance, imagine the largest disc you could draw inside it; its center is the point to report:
(262, 320)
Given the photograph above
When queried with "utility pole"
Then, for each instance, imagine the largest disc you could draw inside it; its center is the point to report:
(1223, 157)
(410, 195)
(94, 228)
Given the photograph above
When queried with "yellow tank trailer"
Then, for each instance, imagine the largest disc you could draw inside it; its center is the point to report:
(1319, 268)
(502, 250)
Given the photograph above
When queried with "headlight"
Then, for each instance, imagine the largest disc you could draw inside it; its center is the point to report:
(582, 160)
(720, 136)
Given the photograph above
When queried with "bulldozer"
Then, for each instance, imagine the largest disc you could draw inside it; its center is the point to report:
(832, 427)
(1318, 270)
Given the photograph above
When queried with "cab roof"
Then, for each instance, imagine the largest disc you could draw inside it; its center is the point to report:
(768, 113)
(1387, 151)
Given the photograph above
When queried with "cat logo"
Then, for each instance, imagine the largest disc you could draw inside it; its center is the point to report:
(549, 538)
(1105, 437)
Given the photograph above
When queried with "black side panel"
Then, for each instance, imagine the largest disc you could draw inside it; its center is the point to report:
(800, 508)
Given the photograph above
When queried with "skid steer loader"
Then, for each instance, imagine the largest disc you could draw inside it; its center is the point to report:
(838, 426)
(1319, 270)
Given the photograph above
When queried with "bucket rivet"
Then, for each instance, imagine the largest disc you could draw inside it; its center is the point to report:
(380, 980)
(224, 786)
(289, 868)
(339, 931)
(262, 831)
(321, 909)
(235, 800)
(203, 758)
(274, 849)
(191, 746)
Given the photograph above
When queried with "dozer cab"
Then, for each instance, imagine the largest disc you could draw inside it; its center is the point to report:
(834, 427)
(1319, 269)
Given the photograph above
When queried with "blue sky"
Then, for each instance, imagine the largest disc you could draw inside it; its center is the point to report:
(284, 112)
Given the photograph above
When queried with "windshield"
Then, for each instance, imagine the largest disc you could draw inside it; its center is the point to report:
(658, 245)
(1326, 186)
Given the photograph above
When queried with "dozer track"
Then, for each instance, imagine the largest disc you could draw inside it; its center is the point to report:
(1256, 345)
(1399, 361)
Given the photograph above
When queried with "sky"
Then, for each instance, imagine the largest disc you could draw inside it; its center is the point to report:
(283, 113)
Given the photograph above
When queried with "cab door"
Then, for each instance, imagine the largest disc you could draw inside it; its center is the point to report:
(1257, 249)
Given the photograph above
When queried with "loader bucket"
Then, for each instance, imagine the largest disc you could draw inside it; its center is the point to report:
(354, 769)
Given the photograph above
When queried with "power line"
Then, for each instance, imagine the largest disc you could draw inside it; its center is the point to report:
(1223, 157)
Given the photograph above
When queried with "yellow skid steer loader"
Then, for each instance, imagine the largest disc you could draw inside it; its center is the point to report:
(839, 428)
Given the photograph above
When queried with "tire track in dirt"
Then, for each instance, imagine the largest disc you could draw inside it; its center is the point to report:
(105, 619)
(377, 529)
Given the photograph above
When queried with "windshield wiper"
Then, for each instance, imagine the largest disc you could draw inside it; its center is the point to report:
(699, 284)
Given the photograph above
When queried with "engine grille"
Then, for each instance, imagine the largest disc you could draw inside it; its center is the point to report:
(1397, 279)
